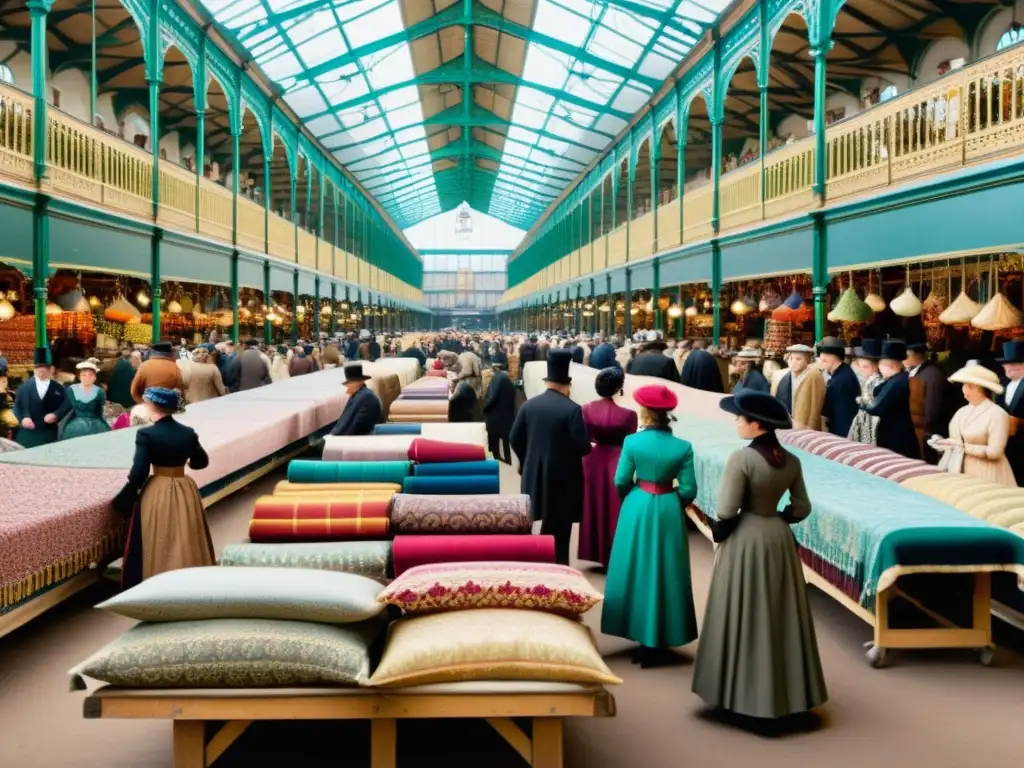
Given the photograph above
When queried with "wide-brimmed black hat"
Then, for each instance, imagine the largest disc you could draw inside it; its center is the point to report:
(41, 357)
(1013, 352)
(918, 346)
(869, 349)
(893, 350)
(558, 366)
(830, 345)
(761, 407)
(251, 343)
(354, 372)
(161, 348)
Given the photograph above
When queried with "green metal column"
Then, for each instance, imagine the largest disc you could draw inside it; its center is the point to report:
(820, 143)
(659, 322)
(334, 308)
(762, 80)
(627, 315)
(682, 118)
(40, 264)
(38, 10)
(717, 119)
(819, 276)
(295, 302)
(269, 302)
(266, 204)
(294, 215)
(199, 97)
(716, 290)
(820, 46)
(93, 79)
(155, 280)
(236, 321)
(630, 173)
(236, 161)
(655, 169)
(681, 320)
(316, 308)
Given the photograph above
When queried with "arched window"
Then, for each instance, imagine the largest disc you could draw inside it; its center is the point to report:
(888, 93)
(1012, 36)
(6, 74)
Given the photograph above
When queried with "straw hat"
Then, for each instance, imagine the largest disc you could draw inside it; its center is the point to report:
(91, 364)
(979, 376)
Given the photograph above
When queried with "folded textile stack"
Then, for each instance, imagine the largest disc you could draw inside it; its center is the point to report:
(880, 462)
(368, 448)
(490, 620)
(424, 400)
(242, 628)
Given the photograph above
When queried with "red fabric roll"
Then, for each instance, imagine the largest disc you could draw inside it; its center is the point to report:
(345, 529)
(350, 506)
(409, 551)
(425, 451)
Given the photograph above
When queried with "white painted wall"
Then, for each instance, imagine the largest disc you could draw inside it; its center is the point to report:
(995, 27)
(135, 121)
(943, 49)
(170, 146)
(20, 64)
(793, 127)
(73, 85)
(105, 109)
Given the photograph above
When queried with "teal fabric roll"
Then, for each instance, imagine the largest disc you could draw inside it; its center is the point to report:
(455, 469)
(398, 429)
(450, 484)
(305, 471)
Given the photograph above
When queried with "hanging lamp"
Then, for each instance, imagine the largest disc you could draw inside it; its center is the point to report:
(906, 304)
(964, 308)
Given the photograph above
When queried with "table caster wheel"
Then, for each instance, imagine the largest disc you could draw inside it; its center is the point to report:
(986, 656)
(876, 656)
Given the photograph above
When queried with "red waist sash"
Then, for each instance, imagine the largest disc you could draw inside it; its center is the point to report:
(655, 489)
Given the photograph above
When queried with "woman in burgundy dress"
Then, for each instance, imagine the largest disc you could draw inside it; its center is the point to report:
(607, 425)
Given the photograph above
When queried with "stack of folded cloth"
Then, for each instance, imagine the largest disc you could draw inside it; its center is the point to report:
(442, 467)
(490, 621)
(217, 627)
(425, 400)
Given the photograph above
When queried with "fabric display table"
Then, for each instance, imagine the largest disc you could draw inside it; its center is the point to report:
(452, 484)
(423, 450)
(307, 471)
(368, 448)
(485, 467)
(444, 514)
(410, 551)
(865, 531)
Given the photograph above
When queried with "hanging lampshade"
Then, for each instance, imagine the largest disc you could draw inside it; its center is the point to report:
(906, 304)
(142, 298)
(794, 301)
(173, 307)
(6, 310)
(675, 311)
(770, 300)
(95, 303)
(998, 315)
(740, 308)
(850, 309)
(691, 311)
(875, 302)
(326, 310)
(52, 309)
(606, 307)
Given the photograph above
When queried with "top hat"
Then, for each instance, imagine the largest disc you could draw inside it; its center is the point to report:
(41, 357)
(893, 350)
(161, 348)
(1013, 352)
(354, 372)
(869, 349)
(918, 346)
(830, 345)
(761, 407)
(656, 397)
(558, 366)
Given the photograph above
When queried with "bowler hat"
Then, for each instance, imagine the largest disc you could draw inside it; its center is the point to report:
(893, 350)
(41, 357)
(830, 345)
(869, 349)
(656, 397)
(558, 366)
(1013, 352)
(918, 346)
(354, 372)
(761, 407)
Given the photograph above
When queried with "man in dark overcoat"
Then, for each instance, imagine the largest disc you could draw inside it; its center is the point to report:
(928, 386)
(1012, 401)
(362, 410)
(843, 387)
(895, 430)
(550, 441)
(499, 413)
(652, 360)
(37, 402)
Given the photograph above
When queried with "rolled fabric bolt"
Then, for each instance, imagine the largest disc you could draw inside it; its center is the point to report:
(306, 471)
(409, 551)
(452, 485)
(425, 451)
(398, 429)
(286, 488)
(446, 514)
(456, 468)
(350, 529)
(295, 507)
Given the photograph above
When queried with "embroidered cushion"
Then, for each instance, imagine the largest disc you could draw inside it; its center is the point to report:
(371, 559)
(214, 592)
(457, 586)
(233, 653)
(490, 644)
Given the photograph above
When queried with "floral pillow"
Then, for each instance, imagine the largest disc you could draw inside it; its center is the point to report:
(459, 586)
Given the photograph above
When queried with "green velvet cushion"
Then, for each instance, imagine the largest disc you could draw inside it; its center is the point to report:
(233, 653)
(365, 558)
(290, 594)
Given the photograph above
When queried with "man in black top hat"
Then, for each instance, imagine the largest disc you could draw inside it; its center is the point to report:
(1012, 401)
(842, 389)
(550, 440)
(37, 402)
(928, 387)
(499, 413)
(362, 411)
(891, 405)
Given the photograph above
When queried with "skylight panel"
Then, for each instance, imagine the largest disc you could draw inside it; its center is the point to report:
(630, 100)
(401, 99)
(561, 23)
(656, 66)
(384, 20)
(321, 48)
(306, 101)
(610, 124)
(612, 46)
(282, 66)
(323, 125)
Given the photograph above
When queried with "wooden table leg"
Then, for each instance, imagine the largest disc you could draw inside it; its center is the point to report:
(189, 744)
(547, 742)
(383, 743)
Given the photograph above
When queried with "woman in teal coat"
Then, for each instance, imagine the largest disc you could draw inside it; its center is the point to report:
(648, 592)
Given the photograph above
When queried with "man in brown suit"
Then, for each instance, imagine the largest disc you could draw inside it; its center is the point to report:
(160, 370)
(801, 388)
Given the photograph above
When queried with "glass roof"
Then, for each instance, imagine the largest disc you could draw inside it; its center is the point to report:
(382, 83)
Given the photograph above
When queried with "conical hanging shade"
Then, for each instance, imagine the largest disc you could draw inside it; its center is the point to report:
(782, 314)
(906, 304)
(876, 302)
(850, 309)
(770, 300)
(795, 300)
(962, 310)
(999, 314)
(804, 314)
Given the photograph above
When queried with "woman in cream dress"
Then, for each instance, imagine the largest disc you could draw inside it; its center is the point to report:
(980, 429)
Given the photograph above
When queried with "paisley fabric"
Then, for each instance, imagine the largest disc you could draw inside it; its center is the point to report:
(489, 514)
(233, 653)
(459, 586)
(365, 558)
(305, 471)
(490, 644)
(213, 592)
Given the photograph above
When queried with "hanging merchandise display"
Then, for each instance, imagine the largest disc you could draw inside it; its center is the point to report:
(850, 308)
(964, 308)
(906, 304)
(998, 314)
(771, 299)
(874, 300)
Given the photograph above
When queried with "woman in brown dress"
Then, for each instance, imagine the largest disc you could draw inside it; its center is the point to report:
(167, 528)
(758, 655)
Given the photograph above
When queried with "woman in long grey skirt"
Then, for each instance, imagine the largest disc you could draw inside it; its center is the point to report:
(758, 655)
